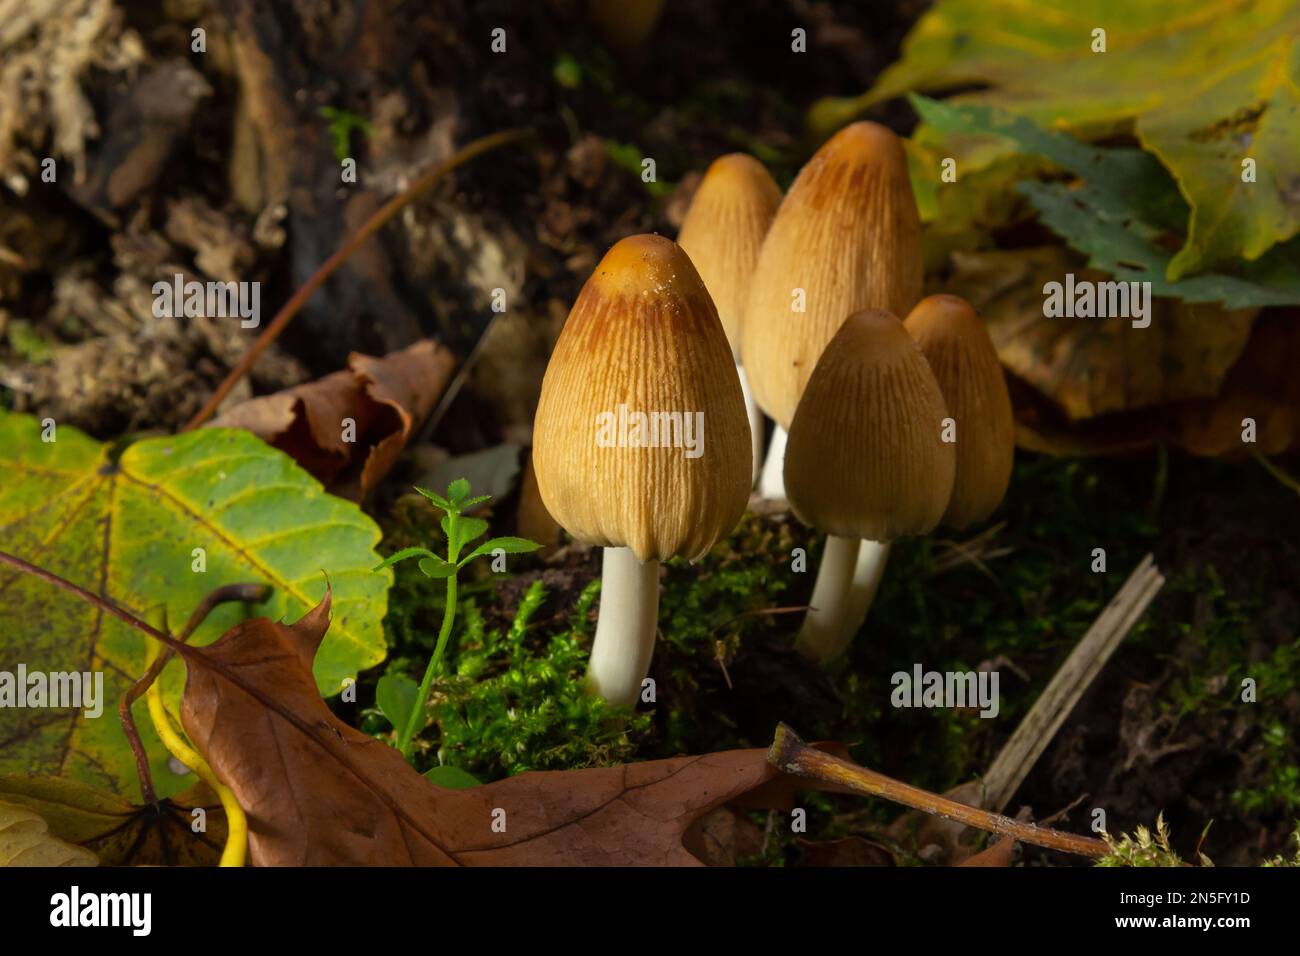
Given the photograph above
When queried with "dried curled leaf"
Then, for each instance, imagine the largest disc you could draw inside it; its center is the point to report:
(348, 428)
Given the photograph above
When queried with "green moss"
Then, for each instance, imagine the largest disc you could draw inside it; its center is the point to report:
(511, 700)
(512, 704)
(1143, 848)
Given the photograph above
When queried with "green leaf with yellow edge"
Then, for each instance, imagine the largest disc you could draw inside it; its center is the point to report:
(121, 833)
(129, 528)
(1203, 86)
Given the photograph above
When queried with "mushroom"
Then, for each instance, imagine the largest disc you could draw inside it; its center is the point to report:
(956, 343)
(722, 233)
(640, 443)
(965, 364)
(865, 461)
(846, 237)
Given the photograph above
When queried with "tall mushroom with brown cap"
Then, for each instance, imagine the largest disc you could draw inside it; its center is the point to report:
(722, 233)
(866, 460)
(846, 237)
(640, 443)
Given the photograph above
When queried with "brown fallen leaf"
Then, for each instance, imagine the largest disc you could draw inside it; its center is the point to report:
(998, 854)
(1091, 366)
(847, 851)
(387, 399)
(318, 792)
(1263, 385)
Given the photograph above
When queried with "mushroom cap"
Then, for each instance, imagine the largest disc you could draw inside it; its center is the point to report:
(865, 457)
(849, 235)
(643, 337)
(957, 345)
(723, 230)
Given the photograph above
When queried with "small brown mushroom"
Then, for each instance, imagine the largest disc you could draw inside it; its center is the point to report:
(640, 443)
(722, 233)
(846, 237)
(961, 354)
(866, 461)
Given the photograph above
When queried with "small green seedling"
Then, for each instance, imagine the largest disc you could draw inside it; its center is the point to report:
(397, 696)
(342, 125)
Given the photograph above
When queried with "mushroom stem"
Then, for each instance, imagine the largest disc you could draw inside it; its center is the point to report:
(625, 630)
(870, 568)
(824, 634)
(755, 423)
(771, 485)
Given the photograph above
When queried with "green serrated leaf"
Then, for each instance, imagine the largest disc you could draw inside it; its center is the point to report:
(395, 696)
(130, 529)
(461, 530)
(458, 491)
(509, 545)
(435, 567)
(402, 556)
(1122, 213)
(437, 499)
(1125, 247)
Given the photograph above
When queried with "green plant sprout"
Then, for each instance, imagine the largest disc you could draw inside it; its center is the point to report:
(401, 702)
(342, 124)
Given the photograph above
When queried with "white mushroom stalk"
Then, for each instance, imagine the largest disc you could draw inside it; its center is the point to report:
(626, 628)
(864, 461)
(771, 484)
(755, 416)
(642, 343)
(824, 635)
(847, 580)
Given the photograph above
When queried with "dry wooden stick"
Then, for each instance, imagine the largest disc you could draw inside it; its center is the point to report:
(791, 755)
(1075, 676)
(354, 242)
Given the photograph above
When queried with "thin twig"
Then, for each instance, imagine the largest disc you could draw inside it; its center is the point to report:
(790, 754)
(368, 229)
(1036, 730)
(249, 594)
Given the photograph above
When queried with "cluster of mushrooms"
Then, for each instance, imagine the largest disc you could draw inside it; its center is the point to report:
(787, 307)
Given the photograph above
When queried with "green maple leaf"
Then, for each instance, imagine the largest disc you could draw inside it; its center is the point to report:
(128, 528)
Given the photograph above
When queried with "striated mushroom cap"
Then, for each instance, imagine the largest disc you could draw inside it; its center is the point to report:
(848, 234)
(724, 229)
(865, 458)
(965, 363)
(641, 438)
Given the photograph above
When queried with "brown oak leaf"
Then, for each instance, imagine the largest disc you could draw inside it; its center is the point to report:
(318, 792)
